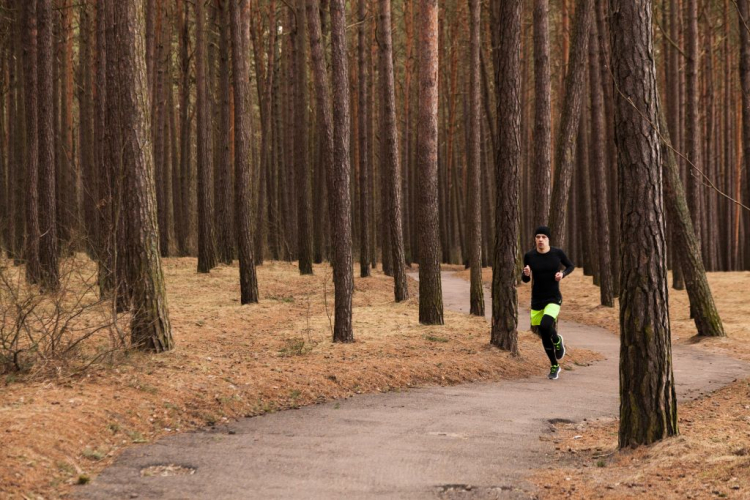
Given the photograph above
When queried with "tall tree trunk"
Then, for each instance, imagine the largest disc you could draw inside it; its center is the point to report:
(48, 244)
(568, 131)
(692, 120)
(648, 405)
(476, 298)
(392, 156)
(542, 115)
(183, 212)
(339, 194)
(322, 96)
(430, 285)
(150, 326)
(507, 36)
(744, 22)
(364, 143)
(242, 135)
(303, 169)
(31, 92)
(224, 213)
(206, 239)
(598, 170)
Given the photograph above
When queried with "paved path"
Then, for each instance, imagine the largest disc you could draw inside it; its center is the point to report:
(473, 441)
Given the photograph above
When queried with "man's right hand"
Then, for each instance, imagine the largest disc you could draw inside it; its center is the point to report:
(527, 271)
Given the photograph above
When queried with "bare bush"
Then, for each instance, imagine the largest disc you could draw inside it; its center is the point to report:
(55, 333)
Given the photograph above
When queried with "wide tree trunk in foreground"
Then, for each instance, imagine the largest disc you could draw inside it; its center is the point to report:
(242, 134)
(507, 165)
(150, 327)
(430, 285)
(476, 299)
(392, 156)
(339, 194)
(648, 405)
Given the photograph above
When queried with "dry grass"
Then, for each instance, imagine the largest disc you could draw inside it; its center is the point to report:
(232, 361)
(710, 458)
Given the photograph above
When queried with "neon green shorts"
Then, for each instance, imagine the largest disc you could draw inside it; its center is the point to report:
(550, 310)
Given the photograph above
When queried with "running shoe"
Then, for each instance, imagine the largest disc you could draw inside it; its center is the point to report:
(559, 347)
(554, 372)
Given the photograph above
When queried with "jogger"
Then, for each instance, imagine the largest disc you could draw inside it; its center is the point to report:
(544, 263)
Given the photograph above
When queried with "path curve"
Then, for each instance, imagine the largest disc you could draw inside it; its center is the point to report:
(472, 441)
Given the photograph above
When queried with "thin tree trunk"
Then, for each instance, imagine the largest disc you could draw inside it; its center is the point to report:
(206, 239)
(598, 170)
(31, 91)
(364, 144)
(242, 135)
(224, 213)
(339, 194)
(430, 287)
(568, 131)
(302, 167)
(392, 156)
(476, 298)
(542, 115)
(183, 213)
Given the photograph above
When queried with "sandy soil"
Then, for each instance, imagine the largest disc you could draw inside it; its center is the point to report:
(232, 361)
(710, 458)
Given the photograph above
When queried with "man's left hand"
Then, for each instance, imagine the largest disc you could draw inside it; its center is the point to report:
(558, 276)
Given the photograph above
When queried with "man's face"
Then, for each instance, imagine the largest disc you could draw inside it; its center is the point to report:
(542, 241)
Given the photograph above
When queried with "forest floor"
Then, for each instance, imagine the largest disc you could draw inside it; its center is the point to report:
(710, 458)
(233, 361)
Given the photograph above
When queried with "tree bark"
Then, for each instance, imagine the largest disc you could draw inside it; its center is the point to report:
(744, 22)
(31, 92)
(150, 325)
(392, 156)
(568, 131)
(242, 134)
(364, 143)
(430, 287)
(339, 195)
(598, 169)
(206, 238)
(476, 298)
(48, 244)
(507, 164)
(648, 405)
(542, 115)
(303, 174)
(692, 119)
(224, 213)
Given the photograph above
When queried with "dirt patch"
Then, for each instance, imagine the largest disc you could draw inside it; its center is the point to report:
(232, 361)
(710, 459)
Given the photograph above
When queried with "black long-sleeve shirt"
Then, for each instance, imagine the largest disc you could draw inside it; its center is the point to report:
(544, 266)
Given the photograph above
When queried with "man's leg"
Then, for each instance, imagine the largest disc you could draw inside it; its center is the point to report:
(549, 320)
(546, 329)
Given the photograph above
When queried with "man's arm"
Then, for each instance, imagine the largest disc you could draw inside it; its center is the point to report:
(525, 278)
(565, 261)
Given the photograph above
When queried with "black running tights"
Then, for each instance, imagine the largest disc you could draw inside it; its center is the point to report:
(549, 335)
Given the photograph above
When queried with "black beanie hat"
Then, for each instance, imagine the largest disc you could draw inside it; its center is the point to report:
(542, 230)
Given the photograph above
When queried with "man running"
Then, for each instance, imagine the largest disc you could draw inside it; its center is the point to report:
(544, 263)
